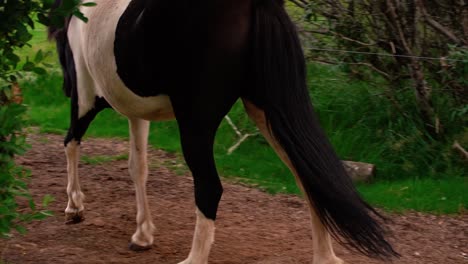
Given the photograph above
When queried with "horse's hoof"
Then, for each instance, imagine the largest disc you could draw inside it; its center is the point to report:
(74, 218)
(137, 248)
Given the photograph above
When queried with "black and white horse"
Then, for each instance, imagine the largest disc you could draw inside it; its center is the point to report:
(153, 60)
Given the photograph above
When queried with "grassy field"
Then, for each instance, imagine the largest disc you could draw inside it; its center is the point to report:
(413, 174)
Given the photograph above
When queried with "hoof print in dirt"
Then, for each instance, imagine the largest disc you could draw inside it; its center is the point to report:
(74, 218)
(138, 248)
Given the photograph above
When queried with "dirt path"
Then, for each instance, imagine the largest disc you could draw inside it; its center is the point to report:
(253, 227)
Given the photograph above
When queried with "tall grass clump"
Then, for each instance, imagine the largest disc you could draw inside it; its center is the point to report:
(364, 125)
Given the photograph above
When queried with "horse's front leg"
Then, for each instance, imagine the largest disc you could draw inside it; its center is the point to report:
(78, 126)
(142, 239)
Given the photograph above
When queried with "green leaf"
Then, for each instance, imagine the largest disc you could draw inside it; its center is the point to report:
(43, 19)
(89, 4)
(21, 229)
(32, 205)
(56, 19)
(47, 213)
(47, 4)
(28, 66)
(39, 56)
(13, 58)
(22, 34)
(39, 70)
(48, 65)
(68, 5)
(47, 200)
(80, 15)
(30, 22)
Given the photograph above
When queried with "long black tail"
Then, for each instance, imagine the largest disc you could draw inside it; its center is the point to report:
(64, 52)
(281, 91)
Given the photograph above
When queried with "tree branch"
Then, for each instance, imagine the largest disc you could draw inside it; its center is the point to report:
(299, 4)
(242, 137)
(384, 74)
(456, 146)
(437, 26)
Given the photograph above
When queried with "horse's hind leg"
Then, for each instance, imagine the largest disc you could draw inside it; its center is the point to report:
(197, 145)
(138, 168)
(75, 208)
(84, 108)
(79, 125)
(197, 148)
(198, 122)
(322, 244)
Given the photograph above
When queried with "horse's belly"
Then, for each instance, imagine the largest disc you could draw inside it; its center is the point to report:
(155, 108)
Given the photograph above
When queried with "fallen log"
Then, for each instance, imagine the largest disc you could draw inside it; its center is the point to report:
(360, 171)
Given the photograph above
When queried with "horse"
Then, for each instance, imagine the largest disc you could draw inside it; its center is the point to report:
(154, 60)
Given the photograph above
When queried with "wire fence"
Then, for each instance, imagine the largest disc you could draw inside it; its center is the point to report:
(384, 54)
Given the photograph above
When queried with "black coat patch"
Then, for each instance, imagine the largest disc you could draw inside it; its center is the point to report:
(165, 47)
(147, 46)
(129, 49)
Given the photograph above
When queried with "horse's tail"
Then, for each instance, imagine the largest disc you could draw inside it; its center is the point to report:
(279, 72)
(64, 51)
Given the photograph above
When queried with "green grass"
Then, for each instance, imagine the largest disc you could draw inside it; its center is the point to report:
(413, 173)
(444, 196)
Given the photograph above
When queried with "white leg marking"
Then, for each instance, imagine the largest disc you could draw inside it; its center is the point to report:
(322, 243)
(75, 196)
(138, 169)
(202, 240)
(323, 248)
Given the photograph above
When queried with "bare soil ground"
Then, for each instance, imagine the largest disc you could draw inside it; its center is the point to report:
(252, 226)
